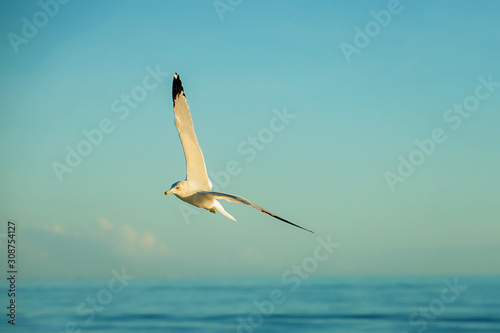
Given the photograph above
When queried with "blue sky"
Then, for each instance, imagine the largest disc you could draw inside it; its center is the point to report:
(326, 169)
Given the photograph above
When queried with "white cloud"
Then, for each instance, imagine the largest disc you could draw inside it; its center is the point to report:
(91, 248)
(137, 243)
(148, 240)
(251, 255)
(105, 224)
(57, 229)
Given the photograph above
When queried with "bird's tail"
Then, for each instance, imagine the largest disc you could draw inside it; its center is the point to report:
(221, 209)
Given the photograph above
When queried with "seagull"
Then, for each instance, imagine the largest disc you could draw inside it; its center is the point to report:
(195, 190)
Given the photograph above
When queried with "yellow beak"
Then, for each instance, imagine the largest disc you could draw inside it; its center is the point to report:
(167, 192)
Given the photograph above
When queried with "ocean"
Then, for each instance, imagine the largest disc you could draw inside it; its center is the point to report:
(314, 304)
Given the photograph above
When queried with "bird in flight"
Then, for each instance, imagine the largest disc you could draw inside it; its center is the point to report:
(195, 190)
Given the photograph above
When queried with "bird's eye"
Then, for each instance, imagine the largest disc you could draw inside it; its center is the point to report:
(177, 187)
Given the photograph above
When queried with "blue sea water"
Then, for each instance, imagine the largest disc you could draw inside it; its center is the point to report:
(315, 304)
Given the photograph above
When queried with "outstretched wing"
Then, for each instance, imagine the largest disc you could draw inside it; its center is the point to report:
(241, 200)
(195, 164)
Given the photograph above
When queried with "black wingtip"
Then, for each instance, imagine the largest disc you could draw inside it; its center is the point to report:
(298, 226)
(177, 87)
(286, 221)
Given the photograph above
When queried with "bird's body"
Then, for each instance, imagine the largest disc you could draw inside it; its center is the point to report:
(196, 189)
(194, 197)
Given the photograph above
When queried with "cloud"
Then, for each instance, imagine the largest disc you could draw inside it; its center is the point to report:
(105, 224)
(89, 249)
(251, 255)
(58, 229)
(148, 240)
(137, 243)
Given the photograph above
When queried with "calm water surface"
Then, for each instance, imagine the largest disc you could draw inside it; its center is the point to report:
(335, 304)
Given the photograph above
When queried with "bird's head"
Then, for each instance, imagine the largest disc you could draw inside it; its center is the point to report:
(179, 187)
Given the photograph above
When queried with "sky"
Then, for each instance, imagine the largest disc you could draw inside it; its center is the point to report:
(373, 123)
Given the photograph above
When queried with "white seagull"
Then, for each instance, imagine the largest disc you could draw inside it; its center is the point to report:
(195, 190)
